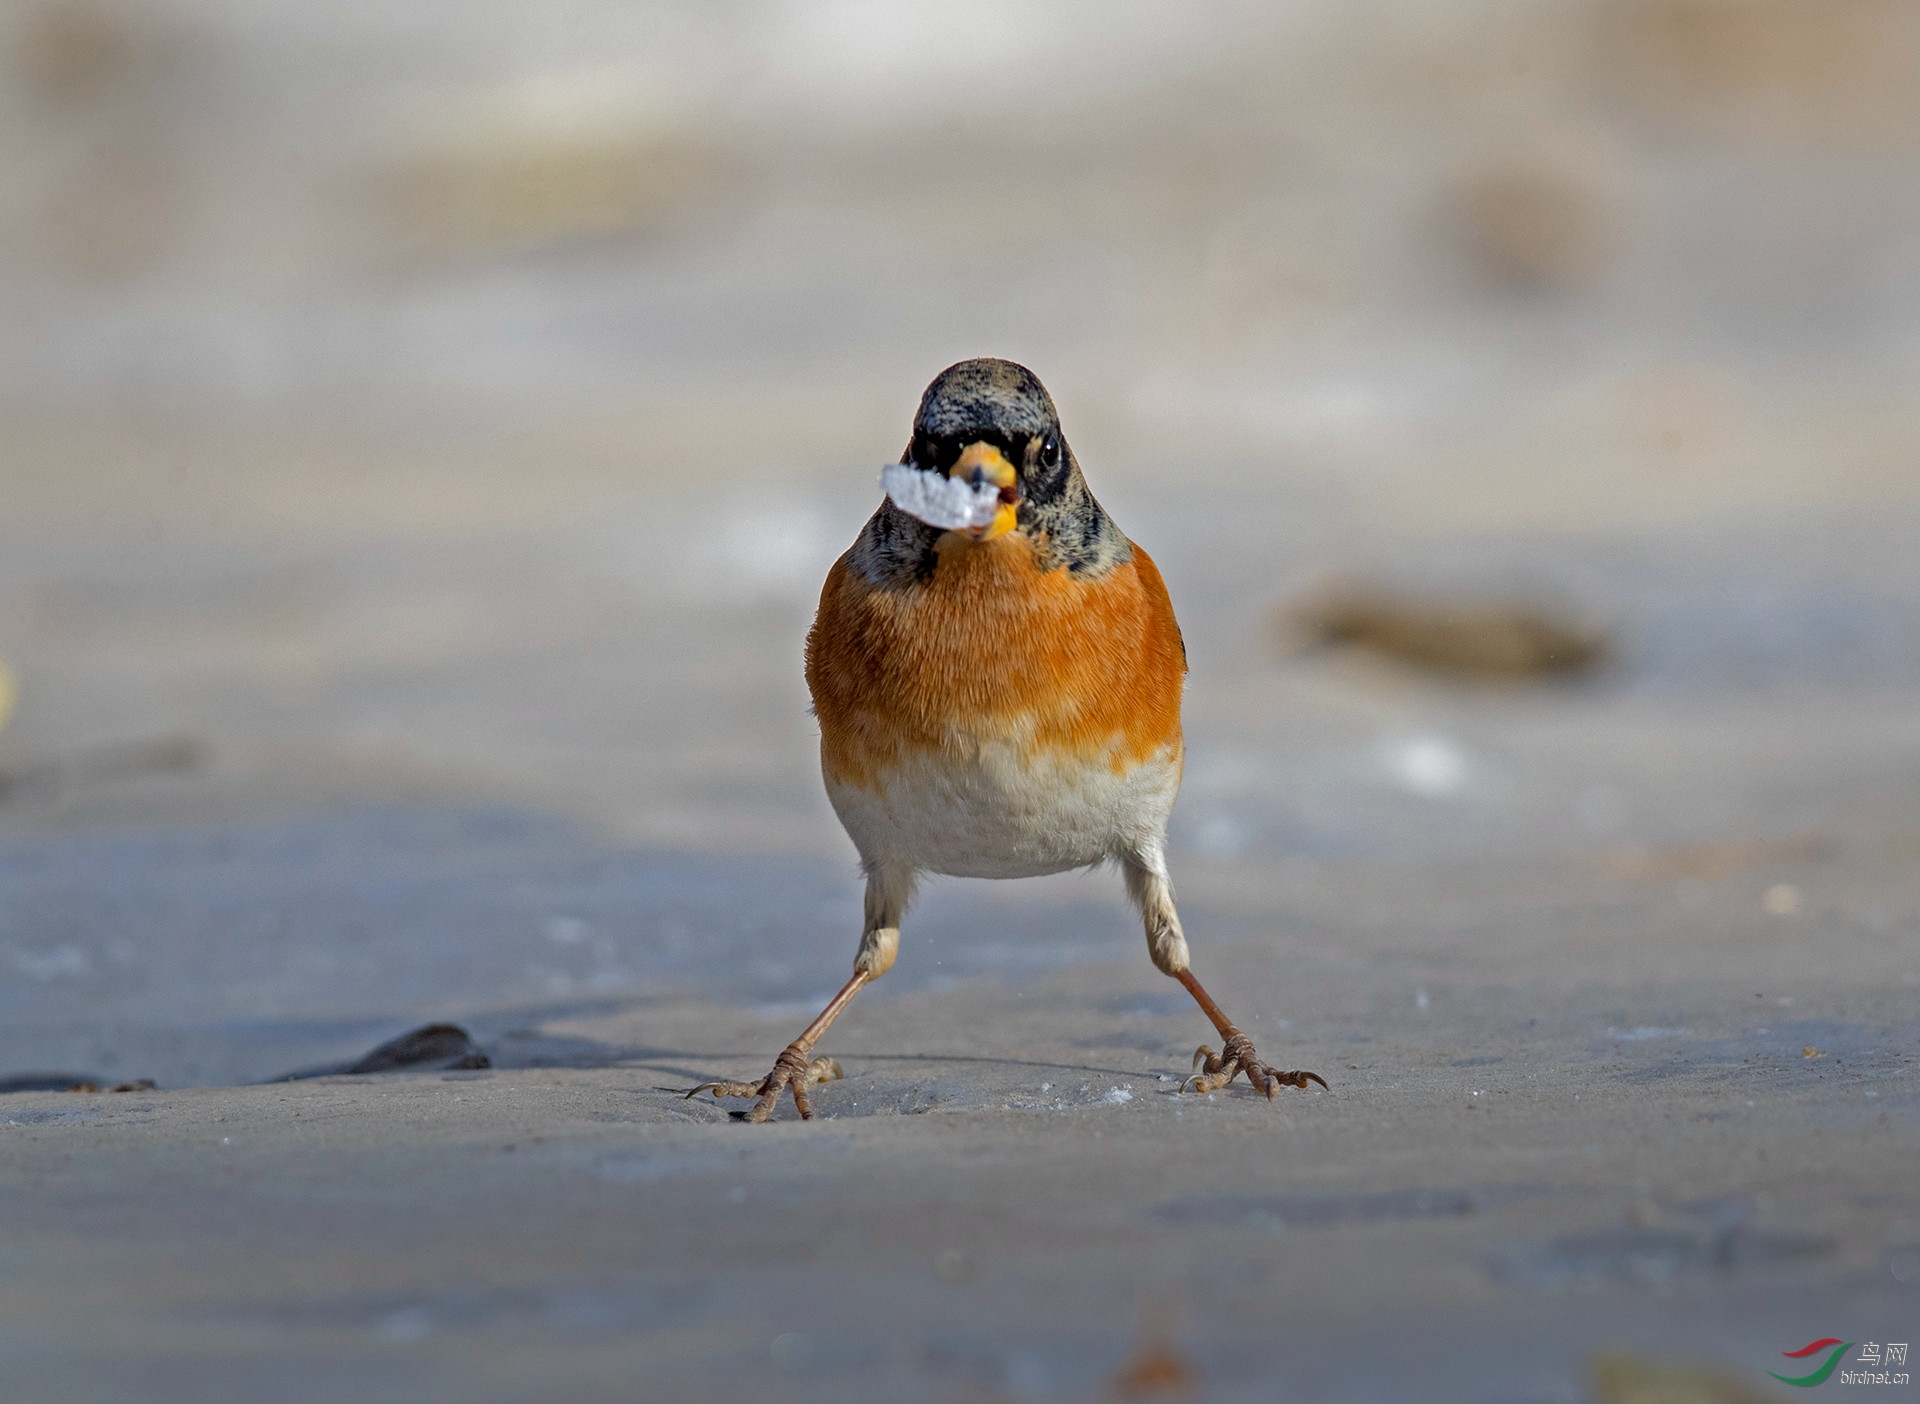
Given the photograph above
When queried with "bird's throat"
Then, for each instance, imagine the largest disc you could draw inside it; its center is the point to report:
(997, 534)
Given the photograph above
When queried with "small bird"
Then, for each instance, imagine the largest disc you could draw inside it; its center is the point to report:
(999, 699)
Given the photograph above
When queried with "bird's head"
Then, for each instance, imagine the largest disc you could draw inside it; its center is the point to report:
(992, 422)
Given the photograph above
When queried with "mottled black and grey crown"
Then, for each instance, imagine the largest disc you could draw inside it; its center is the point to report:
(985, 398)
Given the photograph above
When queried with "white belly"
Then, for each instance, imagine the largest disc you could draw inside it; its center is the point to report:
(992, 811)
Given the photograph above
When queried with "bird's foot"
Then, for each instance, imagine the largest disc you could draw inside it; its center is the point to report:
(792, 1072)
(1237, 1056)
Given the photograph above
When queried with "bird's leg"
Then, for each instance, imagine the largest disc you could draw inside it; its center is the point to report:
(1147, 884)
(795, 1070)
(1236, 1053)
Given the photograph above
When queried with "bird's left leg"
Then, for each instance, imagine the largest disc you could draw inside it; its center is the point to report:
(1147, 884)
(889, 890)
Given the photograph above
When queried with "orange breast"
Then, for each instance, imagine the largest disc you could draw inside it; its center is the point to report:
(991, 646)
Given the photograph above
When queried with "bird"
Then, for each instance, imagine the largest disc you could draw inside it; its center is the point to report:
(999, 700)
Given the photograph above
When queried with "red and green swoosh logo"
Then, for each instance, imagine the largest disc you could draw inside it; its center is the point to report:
(1819, 1376)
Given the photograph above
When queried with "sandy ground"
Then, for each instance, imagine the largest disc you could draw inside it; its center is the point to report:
(1535, 1147)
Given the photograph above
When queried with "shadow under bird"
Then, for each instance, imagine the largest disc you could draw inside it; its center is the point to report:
(998, 688)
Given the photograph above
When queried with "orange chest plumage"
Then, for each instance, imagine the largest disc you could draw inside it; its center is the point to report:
(991, 648)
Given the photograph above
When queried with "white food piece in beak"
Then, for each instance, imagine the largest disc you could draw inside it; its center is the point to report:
(953, 504)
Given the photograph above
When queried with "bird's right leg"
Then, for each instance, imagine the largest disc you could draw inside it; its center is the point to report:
(1147, 884)
(889, 890)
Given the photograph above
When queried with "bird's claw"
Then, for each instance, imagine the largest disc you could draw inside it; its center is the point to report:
(792, 1071)
(1237, 1056)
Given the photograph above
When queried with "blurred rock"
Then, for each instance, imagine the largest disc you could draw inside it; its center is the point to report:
(560, 157)
(93, 174)
(72, 53)
(1710, 862)
(1767, 67)
(1545, 218)
(429, 1046)
(69, 1082)
(103, 763)
(48, 1082)
(1469, 639)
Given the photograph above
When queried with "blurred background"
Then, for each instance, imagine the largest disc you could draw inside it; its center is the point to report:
(424, 428)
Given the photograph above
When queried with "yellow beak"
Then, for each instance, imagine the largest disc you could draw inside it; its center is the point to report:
(981, 462)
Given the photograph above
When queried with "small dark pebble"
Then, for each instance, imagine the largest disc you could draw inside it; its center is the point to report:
(69, 1082)
(430, 1046)
(49, 1082)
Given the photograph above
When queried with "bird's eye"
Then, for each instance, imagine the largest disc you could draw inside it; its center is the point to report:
(1050, 452)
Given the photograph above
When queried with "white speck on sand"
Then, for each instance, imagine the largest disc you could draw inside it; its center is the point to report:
(1431, 767)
